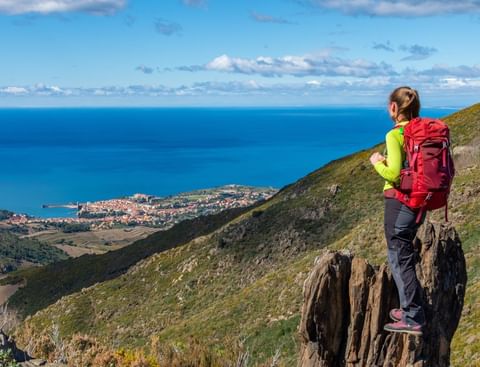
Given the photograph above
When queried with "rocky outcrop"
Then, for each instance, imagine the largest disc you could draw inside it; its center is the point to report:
(8, 347)
(347, 301)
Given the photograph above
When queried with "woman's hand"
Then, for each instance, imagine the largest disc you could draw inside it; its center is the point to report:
(376, 157)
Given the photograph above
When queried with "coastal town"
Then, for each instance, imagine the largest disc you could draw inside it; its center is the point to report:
(149, 210)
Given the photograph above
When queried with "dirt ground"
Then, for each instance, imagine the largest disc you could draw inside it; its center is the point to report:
(93, 242)
(6, 291)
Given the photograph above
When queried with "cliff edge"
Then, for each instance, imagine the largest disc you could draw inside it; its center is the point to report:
(347, 301)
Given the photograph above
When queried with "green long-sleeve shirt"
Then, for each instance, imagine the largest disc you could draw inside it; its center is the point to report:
(395, 156)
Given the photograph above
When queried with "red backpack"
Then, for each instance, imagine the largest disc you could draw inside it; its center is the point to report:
(427, 176)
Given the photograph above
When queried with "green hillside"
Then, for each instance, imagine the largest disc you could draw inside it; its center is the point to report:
(245, 278)
(47, 284)
(15, 251)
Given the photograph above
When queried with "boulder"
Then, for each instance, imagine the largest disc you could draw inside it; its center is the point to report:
(347, 301)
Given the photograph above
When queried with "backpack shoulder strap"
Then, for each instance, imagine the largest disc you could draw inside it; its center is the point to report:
(400, 128)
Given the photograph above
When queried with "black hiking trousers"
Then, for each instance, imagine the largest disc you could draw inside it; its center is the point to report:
(400, 230)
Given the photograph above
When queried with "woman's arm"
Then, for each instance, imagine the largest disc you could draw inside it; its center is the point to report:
(391, 170)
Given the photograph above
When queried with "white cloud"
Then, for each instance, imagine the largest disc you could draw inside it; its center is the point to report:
(375, 86)
(13, 90)
(145, 69)
(403, 8)
(324, 65)
(310, 65)
(458, 83)
(417, 52)
(48, 90)
(383, 46)
(461, 71)
(265, 18)
(37, 89)
(443, 81)
(97, 7)
(167, 28)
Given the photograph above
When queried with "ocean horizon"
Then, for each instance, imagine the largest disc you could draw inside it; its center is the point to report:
(63, 155)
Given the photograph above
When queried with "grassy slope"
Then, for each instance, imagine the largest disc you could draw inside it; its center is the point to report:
(47, 284)
(99, 241)
(15, 250)
(251, 286)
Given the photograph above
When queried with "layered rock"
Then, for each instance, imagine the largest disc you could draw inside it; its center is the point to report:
(347, 301)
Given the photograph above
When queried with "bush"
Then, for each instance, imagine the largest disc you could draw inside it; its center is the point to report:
(7, 360)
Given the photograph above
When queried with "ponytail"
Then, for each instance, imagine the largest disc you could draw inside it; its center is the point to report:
(408, 102)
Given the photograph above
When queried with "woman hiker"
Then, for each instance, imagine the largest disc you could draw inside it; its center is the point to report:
(399, 220)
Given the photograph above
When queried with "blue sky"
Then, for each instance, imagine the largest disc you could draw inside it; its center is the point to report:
(244, 52)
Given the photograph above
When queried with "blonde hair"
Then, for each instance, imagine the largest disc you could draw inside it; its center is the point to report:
(408, 102)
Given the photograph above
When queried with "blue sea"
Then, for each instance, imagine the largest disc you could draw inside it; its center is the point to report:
(67, 155)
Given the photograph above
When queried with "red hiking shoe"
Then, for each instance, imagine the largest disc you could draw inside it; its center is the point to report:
(396, 314)
(402, 327)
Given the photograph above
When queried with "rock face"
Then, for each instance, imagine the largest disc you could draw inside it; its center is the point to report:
(347, 301)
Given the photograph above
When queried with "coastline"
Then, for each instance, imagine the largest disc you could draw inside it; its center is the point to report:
(107, 153)
(143, 210)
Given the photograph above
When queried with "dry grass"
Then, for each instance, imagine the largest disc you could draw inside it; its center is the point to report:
(467, 156)
(85, 351)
